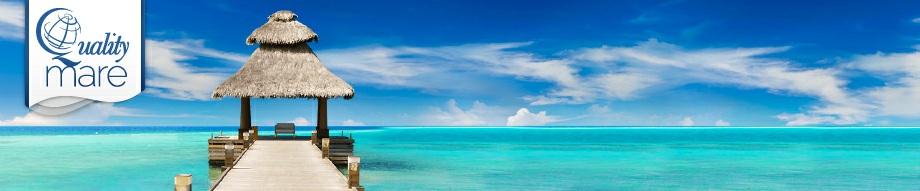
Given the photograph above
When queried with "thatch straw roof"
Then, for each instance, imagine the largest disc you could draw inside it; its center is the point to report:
(283, 70)
(282, 28)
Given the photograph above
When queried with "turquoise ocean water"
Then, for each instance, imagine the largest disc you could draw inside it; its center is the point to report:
(544, 158)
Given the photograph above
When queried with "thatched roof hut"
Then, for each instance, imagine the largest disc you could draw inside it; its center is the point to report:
(284, 67)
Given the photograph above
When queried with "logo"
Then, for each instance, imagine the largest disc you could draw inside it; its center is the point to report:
(78, 53)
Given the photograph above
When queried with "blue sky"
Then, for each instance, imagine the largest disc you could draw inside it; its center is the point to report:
(497, 63)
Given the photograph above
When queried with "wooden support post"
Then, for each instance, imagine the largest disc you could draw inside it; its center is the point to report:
(245, 117)
(246, 139)
(245, 114)
(325, 148)
(240, 134)
(354, 172)
(322, 127)
(183, 182)
(313, 137)
(255, 133)
(228, 155)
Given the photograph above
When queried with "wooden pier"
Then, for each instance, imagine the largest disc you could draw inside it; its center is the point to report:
(340, 148)
(282, 165)
(216, 148)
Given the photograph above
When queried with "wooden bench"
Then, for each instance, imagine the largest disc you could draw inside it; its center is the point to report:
(284, 128)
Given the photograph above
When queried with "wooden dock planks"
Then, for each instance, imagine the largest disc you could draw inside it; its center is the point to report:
(283, 165)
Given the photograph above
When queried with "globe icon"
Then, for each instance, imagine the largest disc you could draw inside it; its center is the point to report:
(61, 33)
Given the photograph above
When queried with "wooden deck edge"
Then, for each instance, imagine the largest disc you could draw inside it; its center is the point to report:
(343, 176)
(224, 173)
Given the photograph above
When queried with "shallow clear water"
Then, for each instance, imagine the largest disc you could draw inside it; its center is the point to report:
(146, 158)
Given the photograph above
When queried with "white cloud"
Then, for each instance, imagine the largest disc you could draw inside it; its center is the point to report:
(439, 68)
(12, 20)
(350, 122)
(598, 109)
(93, 114)
(633, 72)
(629, 72)
(654, 66)
(479, 115)
(13, 13)
(300, 121)
(545, 100)
(687, 121)
(799, 119)
(624, 86)
(901, 71)
(498, 59)
(173, 77)
(657, 64)
(722, 123)
(524, 117)
(916, 20)
(377, 65)
(897, 97)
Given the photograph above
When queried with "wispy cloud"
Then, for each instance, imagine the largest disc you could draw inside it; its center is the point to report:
(389, 66)
(626, 72)
(897, 97)
(617, 73)
(479, 114)
(12, 20)
(92, 114)
(664, 65)
(596, 109)
(901, 72)
(658, 64)
(440, 68)
(173, 74)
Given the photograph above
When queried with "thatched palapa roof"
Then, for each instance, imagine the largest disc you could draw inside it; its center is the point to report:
(283, 66)
(282, 28)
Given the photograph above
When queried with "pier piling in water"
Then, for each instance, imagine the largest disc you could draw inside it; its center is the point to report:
(217, 145)
(228, 155)
(325, 147)
(255, 133)
(247, 139)
(183, 182)
(313, 137)
(239, 135)
(354, 169)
